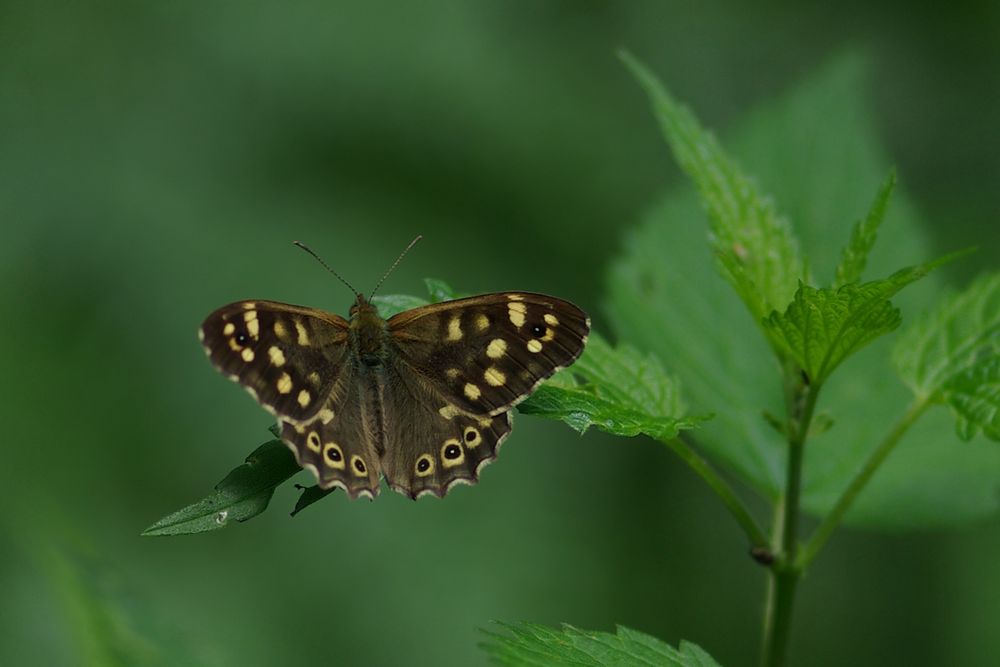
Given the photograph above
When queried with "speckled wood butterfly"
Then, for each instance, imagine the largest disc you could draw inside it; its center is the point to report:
(423, 399)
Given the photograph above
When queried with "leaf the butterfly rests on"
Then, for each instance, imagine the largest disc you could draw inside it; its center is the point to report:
(423, 398)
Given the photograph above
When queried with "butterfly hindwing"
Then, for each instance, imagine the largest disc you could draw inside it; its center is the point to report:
(430, 445)
(287, 357)
(487, 353)
(338, 444)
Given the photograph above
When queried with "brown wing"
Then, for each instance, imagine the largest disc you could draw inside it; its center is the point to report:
(430, 445)
(287, 357)
(296, 363)
(487, 353)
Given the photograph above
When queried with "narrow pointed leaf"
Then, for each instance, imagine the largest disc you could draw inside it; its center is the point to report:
(854, 256)
(244, 493)
(759, 253)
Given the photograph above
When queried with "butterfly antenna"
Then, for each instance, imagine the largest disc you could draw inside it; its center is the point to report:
(394, 264)
(326, 266)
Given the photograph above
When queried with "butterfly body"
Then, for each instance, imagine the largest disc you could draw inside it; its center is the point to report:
(423, 398)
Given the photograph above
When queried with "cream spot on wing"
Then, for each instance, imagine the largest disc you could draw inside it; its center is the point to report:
(228, 329)
(281, 331)
(549, 334)
(551, 319)
(482, 322)
(313, 442)
(472, 391)
(326, 415)
(517, 311)
(234, 346)
(455, 328)
(247, 354)
(253, 328)
(277, 356)
(313, 378)
(303, 335)
(284, 383)
(494, 376)
(496, 348)
(515, 297)
(249, 315)
(304, 398)
(452, 373)
(534, 345)
(249, 305)
(201, 335)
(449, 411)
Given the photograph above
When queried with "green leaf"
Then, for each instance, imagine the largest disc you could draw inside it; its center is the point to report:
(310, 495)
(391, 304)
(948, 342)
(822, 327)
(244, 493)
(854, 256)
(111, 623)
(757, 250)
(439, 290)
(974, 397)
(538, 645)
(624, 392)
(817, 149)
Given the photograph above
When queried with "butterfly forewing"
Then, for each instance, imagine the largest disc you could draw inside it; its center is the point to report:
(287, 357)
(487, 353)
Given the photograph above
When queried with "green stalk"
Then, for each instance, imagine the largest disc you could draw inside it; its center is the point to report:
(875, 460)
(785, 573)
(700, 466)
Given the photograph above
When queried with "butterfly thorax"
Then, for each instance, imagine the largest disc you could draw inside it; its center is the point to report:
(368, 332)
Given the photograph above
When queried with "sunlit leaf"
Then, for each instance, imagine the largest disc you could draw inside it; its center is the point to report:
(759, 252)
(953, 338)
(854, 256)
(623, 392)
(824, 326)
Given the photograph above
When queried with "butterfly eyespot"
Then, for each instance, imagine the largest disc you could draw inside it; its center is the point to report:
(358, 464)
(452, 452)
(242, 338)
(424, 466)
(472, 437)
(333, 456)
(537, 330)
(313, 442)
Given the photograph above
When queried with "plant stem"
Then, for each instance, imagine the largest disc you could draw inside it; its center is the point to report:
(875, 460)
(785, 571)
(725, 492)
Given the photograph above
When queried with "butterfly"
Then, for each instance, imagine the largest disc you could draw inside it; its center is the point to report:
(423, 399)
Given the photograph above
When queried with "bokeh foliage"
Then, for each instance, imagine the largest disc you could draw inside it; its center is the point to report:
(157, 160)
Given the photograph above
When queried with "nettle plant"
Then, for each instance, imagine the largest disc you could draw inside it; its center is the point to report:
(764, 348)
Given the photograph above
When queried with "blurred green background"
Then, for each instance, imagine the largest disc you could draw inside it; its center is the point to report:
(156, 161)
